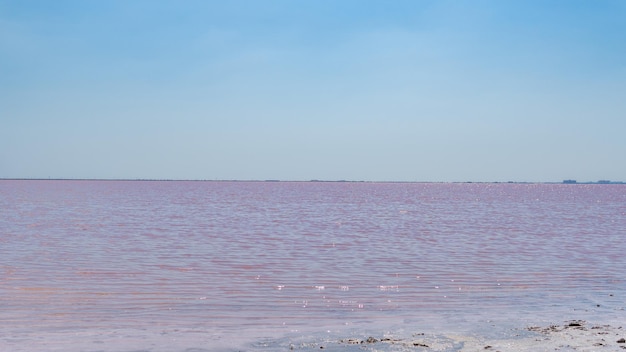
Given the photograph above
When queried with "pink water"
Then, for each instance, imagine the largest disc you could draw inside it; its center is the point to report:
(175, 266)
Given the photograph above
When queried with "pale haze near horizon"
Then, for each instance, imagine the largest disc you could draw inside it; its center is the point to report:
(300, 90)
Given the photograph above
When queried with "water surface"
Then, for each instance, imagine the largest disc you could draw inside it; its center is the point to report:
(140, 265)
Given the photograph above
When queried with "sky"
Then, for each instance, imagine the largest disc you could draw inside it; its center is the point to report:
(390, 90)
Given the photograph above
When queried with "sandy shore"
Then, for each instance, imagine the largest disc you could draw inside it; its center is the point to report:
(570, 336)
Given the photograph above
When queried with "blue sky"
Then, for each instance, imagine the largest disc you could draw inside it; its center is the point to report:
(314, 89)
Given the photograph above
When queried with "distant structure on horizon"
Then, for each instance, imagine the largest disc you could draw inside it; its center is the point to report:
(601, 182)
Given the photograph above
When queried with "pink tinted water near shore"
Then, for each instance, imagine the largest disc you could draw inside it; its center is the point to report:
(130, 265)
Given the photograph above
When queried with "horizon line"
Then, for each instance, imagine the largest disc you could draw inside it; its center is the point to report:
(565, 181)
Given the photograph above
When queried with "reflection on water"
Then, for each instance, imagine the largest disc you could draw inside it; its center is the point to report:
(284, 257)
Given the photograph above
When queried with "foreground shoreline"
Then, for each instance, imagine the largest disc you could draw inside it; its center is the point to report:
(574, 335)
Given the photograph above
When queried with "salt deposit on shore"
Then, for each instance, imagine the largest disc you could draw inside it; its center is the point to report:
(570, 336)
